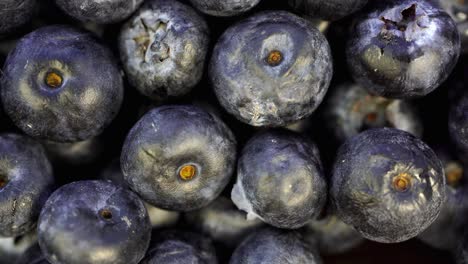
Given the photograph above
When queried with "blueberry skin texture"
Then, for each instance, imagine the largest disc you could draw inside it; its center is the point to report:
(326, 9)
(253, 90)
(88, 98)
(27, 172)
(99, 11)
(73, 229)
(174, 247)
(14, 14)
(224, 8)
(275, 246)
(458, 10)
(363, 188)
(165, 140)
(280, 180)
(163, 48)
(402, 48)
(33, 256)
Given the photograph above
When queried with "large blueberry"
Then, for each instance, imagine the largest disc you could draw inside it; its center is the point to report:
(328, 9)
(26, 181)
(458, 10)
(224, 8)
(403, 48)
(60, 84)
(33, 255)
(387, 184)
(280, 179)
(271, 69)
(275, 246)
(99, 11)
(179, 157)
(94, 222)
(163, 48)
(15, 13)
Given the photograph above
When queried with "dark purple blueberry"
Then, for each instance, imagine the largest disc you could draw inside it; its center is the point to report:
(60, 84)
(387, 184)
(280, 179)
(12, 248)
(224, 8)
(94, 222)
(271, 69)
(179, 157)
(163, 48)
(403, 48)
(458, 10)
(327, 9)
(26, 181)
(99, 11)
(15, 13)
(275, 246)
(33, 255)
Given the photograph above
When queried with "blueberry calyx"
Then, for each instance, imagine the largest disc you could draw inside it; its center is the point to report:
(274, 58)
(106, 214)
(402, 182)
(53, 79)
(187, 172)
(152, 43)
(406, 22)
(3, 181)
(453, 174)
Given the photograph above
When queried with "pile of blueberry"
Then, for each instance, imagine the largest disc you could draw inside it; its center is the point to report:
(233, 131)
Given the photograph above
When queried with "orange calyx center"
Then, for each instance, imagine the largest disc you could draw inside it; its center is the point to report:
(187, 172)
(106, 214)
(454, 176)
(402, 182)
(53, 80)
(3, 182)
(371, 117)
(274, 58)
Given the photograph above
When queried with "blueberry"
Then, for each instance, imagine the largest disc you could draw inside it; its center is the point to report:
(280, 179)
(163, 48)
(99, 11)
(94, 222)
(33, 256)
(179, 157)
(403, 48)
(74, 153)
(60, 84)
(26, 181)
(224, 8)
(271, 69)
(387, 184)
(275, 246)
(174, 247)
(458, 123)
(14, 14)
(12, 248)
(351, 109)
(458, 10)
(328, 9)
(222, 222)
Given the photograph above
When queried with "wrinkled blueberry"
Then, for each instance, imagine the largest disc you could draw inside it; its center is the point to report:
(280, 179)
(403, 48)
(89, 222)
(14, 14)
(163, 48)
(99, 11)
(179, 157)
(224, 8)
(328, 9)
(387, 184)
(12, 248)
(271, 69)
(60, 84)
(458, 10)
(33, 256)
(26, 181)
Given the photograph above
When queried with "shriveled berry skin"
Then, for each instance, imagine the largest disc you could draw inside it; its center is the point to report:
(82, 96)
(99, 11)
(275, 246)
(458, 10)
(224, 8)
(33, 256)
(271, 69)
(163, 48)
(328, 9)
(280, 179)
(170, 138)
(27, 179)
(387, 184)
(14, 14)
(403, 48)
(74, 228)
(174, 247)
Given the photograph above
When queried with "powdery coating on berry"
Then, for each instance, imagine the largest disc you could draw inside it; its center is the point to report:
(327, 9)
(15, 13)
(258, 93)
(163, 48)
(362, 185)
(280, 180)
(99, 11)
(403, 48)
(169, 137)
(224, 8)
(458, 10)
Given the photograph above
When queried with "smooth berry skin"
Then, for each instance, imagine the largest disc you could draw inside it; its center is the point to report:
(328, 9)
(163, 48)
(275, 93)
(280, 180)
(14, 14)
(224, 8)
(90, 94)
(33, 256)
(98, 11)
(27, 175)
(364, 187)
(275, 246)
(458, 10)
(165, 140)
(72, 228)
(402, 48)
